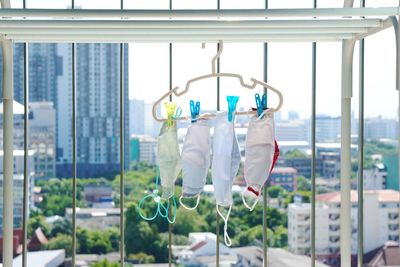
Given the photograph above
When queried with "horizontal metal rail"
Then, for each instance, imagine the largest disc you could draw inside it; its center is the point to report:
(179, 24)
(200, 14)
(184, 31)
(118, 38)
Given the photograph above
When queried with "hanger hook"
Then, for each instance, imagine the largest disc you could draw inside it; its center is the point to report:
(215, 58)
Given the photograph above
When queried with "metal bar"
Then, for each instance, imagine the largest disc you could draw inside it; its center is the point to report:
(385, 24)
(396, 27)
(345, 157)
(170, 99)
(8, 159)
(182, 31)
(8, 163)
(360, 211)
(217, 228)
(313, 149)
(199, 14)
(265, 189)
(180, 38)
(197, 24)
(25, 207)
(73, 150)
(122, 147)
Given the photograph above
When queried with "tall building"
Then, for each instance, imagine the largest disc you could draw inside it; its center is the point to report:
(391, 163)
(136, 116)
(379, 128)
(285, 177)
(381, 222)
(151, 127)
(98, 120)
(143, 148)
(327, 128)
(375, 178)
(18, 134)
(18, 185)
(291, 130)
(42, 138)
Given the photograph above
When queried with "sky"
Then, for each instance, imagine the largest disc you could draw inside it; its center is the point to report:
(289, 64)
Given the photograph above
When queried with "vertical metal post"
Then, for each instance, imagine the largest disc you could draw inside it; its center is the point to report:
(8, 147)
(360, 211)
(217, 228)
(265, 189)
(25, 207)
(345, 157)
(170, 99)
(313, 150)
(122, 147)
(73, 150)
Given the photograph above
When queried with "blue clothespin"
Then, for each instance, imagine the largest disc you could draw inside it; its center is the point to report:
(261, 103)
(232, 101)
(194, 110)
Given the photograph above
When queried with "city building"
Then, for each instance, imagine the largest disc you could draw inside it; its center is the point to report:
(382, 226)
(291, 130)
(285, 177)
(136, 116)
(143, 149)
(375, 178)
(98, 120)
(391, 163)
(95, 218)
(380, 128)
(42, 138)
(386, 255)
(327, 128)
(98, 196)
(18, 134)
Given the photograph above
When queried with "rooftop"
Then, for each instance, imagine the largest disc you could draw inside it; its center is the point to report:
(18, 108)
(284, 170)
(42, 258)
(383, 196)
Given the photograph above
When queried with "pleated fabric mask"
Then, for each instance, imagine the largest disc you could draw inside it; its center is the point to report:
(261, 153)
(226, 161)
(195, 159)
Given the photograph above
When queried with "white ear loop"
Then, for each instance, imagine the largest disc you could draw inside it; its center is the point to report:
(227, 239)
(189, 208)
(251, 208)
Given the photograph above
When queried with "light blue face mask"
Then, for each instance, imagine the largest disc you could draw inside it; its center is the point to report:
(226, 161)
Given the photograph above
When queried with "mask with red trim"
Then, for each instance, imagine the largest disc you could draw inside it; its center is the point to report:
(261, 153)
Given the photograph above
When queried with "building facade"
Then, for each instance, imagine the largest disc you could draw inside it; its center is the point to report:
(98, 114)
(42, 138)
(382, 222)
(285, 177)
(143, 149)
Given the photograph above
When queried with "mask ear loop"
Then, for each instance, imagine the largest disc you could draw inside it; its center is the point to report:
(166, 209)
(156, 198)
(190, 208)
(251, 208)
(227, 239)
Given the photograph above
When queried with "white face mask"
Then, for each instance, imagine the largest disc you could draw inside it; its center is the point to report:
(169, 159)
(195, 161)
(225, 165)
(261, 153)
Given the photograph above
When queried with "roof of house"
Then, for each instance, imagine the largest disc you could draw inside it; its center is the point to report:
(278, 257)
(17, 108)
(284, 170)
(51, 258)
(387, 255)
(383, 196)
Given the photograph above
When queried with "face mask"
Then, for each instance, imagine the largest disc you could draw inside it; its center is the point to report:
(169, 163)
(168, 156)
(261, 152)
(226, 161)
(195, 160)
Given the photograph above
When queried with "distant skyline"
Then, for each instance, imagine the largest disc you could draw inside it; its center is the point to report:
(289, 63)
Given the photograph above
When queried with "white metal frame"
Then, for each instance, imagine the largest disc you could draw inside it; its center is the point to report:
(121, 26)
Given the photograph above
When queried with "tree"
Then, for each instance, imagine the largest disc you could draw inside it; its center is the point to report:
(38, 222)
(142, 257)
(61, 226)
(303, 184)
(104, 263)
(275, 191)
(294, 154)
(61, 241)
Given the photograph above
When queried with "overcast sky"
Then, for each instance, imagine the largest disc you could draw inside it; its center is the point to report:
(289, 64)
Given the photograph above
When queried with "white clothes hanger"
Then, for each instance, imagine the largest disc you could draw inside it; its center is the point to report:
(213, 73)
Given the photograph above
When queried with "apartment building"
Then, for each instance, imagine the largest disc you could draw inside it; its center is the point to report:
(381, 222)
(143, 148)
